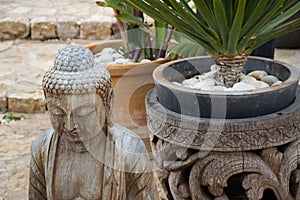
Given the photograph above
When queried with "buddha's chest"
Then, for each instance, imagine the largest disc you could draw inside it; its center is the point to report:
(77, 176)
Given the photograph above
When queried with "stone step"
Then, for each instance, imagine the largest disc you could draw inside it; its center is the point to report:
(23, 64)
(50, 19)
(44, 28)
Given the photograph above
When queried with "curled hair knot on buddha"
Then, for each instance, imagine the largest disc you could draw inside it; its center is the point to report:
(75, 73)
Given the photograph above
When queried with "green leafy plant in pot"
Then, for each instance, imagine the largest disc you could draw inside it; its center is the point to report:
(138, 43)
(139, 38)
(229, 31)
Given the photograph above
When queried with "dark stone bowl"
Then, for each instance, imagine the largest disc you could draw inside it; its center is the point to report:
(229, 104)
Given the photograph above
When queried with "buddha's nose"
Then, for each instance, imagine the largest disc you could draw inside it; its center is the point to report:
(70, 124)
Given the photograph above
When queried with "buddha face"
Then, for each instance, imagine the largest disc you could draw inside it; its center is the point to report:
(77, 115)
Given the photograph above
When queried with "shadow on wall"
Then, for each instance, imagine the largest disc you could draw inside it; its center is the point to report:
(288, 41)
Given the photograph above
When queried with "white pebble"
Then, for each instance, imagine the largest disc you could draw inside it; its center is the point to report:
(213, 68)
(270, 79)
(145, 60)
(258, 74)
(190, 81)
(107, 51)
(252, 81)
(117, 55)
(122, 61)
(209, 75)
(248, 79)
(242, 87)
(277, 83)
(204, 83)
(104, 58)
(261, 84)
(176, 83)
(128, 61)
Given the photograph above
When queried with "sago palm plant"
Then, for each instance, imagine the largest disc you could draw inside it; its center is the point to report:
(135, 32)
(229, 30)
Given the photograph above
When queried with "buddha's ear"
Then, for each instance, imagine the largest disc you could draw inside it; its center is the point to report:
(109, 108)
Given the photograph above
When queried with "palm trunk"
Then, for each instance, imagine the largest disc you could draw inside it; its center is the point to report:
(229, 70)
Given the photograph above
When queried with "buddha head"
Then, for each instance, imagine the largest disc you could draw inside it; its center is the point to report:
(78, 94)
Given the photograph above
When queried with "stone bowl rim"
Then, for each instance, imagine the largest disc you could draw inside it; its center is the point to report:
(158, 75)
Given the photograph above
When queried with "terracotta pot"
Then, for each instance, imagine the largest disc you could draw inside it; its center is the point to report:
(131, 83)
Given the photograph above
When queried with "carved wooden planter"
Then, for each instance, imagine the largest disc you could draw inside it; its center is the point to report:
(201, 158)
(213, 158)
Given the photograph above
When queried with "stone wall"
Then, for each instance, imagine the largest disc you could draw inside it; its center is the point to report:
(44, 28)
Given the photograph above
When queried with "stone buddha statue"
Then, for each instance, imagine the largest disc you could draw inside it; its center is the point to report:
(86, 155)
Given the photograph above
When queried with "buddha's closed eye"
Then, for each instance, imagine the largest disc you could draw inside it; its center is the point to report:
(84, 111)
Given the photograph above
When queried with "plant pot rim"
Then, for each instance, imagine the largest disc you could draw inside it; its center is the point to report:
(158, 75)
(120, 69)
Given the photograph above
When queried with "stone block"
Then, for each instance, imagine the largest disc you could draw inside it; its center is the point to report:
(67, 28)
(14, 28)
(3, 101)
(115, 29)
(26, 102)
(96, 28)
(43, 28)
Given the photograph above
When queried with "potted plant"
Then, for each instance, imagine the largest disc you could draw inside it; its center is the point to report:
(135, 52)
(229, 32)
(140, 46)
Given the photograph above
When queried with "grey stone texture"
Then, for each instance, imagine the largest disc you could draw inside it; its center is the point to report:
(67, 28)
(43, 28)
(3, 100)
(26, 102)
(12, 28)
(96, 28)
(23, 64)
(53, 19)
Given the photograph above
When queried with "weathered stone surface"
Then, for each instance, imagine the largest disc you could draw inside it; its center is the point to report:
(96, 28)
(15, 142)
(67, 28)
(43, 28)
(290, 56)
(3, 100)
(50, 8)
(115, 29)
(12, 28)
(26, 102)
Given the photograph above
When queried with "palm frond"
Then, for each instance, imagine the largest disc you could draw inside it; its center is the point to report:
(225, 27)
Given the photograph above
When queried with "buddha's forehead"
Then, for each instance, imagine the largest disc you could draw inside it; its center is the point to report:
(74, 100)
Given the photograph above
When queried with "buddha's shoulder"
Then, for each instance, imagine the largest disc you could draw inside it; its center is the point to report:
(127, 138)
(42, 141)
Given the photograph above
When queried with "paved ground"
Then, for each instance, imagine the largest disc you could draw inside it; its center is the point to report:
(48, 19)
(49, 8)
(22, 65)
(15, 141)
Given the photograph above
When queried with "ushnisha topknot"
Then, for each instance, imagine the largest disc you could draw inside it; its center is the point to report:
(75, 72)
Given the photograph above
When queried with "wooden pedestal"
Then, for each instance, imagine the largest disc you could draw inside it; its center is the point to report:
(250, 158)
